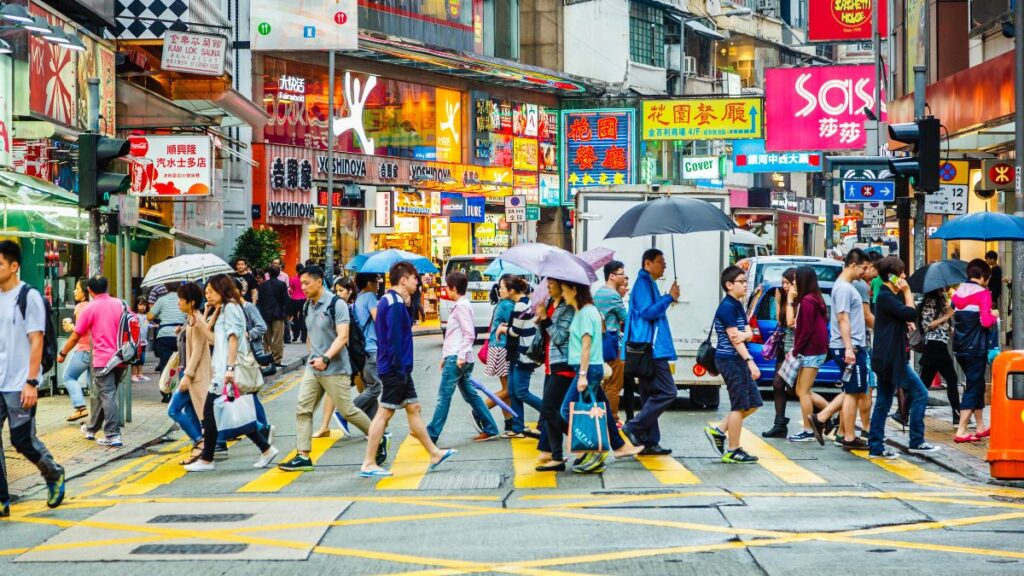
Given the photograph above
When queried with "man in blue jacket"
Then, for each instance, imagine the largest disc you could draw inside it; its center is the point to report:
(648, 323)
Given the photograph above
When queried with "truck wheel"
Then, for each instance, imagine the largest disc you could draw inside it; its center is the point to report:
(704, 397)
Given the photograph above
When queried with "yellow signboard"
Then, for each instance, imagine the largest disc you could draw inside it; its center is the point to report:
(703, 119)
(525, 154)
(448, 127)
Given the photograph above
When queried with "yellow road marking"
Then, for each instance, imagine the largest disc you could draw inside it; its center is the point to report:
(776, 462)
(668, 470)
(906, 470)
(932, 547)
(275, 479)
(284, 386)
(524, 462)
(166, 472)
(409, 467)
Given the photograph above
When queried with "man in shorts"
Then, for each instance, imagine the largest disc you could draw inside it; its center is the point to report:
(394, 364)
(848, 347)
(737, 367)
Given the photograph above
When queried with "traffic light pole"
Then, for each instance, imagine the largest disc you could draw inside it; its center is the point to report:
(920, 82)
(1018, 247)
(93, 244)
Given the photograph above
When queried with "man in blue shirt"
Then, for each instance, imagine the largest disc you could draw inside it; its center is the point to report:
(395, 363)
(648, 324)
(365, 313)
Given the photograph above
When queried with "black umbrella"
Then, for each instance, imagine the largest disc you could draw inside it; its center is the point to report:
(938, 275)
(671, 215)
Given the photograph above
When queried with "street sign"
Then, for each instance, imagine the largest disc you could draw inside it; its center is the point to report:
(515, 209)
(950, 199)
(533, 213)
(869, 191)
(997, 175)
(128, 209)
(874, 214)
(870, 232)
(954, 172)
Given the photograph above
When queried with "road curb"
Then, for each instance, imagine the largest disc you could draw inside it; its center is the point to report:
(427, 332)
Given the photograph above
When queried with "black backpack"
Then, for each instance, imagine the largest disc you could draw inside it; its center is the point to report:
(50, 332)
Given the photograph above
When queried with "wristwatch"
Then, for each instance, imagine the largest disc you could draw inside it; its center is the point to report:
(32, 382)
(231, 368)
(748, 359)
(326, 360)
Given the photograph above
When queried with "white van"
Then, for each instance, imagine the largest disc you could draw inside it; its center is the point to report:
(479, 289)
(744, 244)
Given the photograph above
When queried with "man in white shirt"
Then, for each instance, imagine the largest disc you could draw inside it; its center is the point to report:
(22, 329)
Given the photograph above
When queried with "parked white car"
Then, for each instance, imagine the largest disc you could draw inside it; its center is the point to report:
(479, 290)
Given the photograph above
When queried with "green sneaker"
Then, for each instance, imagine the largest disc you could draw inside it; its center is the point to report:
(55, 491)
(717, 438)
(298, 464)
(597, 461)
(739, 456)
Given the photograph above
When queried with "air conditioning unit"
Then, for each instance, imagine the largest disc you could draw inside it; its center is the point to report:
(689, 66)
(768, 6)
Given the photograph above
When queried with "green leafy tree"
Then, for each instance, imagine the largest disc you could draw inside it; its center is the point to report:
(257, 247)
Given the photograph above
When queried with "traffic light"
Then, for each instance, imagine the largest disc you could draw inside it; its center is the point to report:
(95, 183)
(923, 165)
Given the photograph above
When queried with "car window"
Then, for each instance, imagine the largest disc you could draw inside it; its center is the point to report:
(766, 309)
(474, 269)
(772, 273)
(738, 252)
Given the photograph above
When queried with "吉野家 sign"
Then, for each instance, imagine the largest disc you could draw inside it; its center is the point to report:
(701, 167)
(179, 165)
(843, 20)
(597, 148)
(702, 119)
(869, 191)
(818, 108)
(515, 209)
(304, 25)
(194, 53)
(750, 157)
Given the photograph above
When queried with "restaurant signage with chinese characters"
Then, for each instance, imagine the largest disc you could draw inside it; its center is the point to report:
(750, 157)
(597, 148)
(510, 134)
(843, 20)
(702, 119)
(194, 53)
(291, 89)
(291, 174)
(818, 108)
(180, 165)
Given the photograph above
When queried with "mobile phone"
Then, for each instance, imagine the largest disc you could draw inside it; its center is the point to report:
(894, 279)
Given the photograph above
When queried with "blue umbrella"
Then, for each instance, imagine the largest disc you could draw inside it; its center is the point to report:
(381, 262)
(357, 261)
(984, 226)
(499, 267)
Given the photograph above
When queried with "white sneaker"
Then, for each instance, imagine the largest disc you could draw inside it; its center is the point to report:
(199, 466)
(144, 378)
(267, 457)
(85, 432)
(270, 435)
(136, 379)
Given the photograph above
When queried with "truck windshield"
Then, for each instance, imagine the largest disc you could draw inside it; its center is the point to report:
(773, 272)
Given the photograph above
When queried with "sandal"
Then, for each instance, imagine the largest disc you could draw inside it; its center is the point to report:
(78, 414)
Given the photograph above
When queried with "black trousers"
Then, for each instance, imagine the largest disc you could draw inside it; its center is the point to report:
(937, 360)
(210, 431)
(555, 388)
(164, 347)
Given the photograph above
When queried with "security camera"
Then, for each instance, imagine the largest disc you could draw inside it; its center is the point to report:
(984, 194)
(655, 188)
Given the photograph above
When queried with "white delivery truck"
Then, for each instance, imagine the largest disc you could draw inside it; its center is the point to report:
(699, 261)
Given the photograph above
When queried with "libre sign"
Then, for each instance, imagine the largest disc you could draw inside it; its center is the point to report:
(194, 53)
(843, 20)
(819, 108)
(703, 119)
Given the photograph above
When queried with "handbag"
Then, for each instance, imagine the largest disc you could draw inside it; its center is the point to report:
(170, 376)
(706, 354)
(234, 412)
(915, 339)
(248, 374)
(789, 369)
(588, 425)
(610, 345)
(640, 355)
(536, 351)
(482, 353)
(771, 348)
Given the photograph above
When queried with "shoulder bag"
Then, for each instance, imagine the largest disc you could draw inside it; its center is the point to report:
(640, 355)
(248, 374)
(706, 353)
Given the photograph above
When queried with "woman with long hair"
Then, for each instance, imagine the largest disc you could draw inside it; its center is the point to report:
(936, 321)
(229, 336)
(344, 288)
(188, 400)
(810, 343)
(80, 360)
(554, 320)
(497, 353)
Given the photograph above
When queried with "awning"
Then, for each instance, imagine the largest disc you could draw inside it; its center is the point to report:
(34, 208)
(393, 50)
(232, 107)
(703, 30)
(161, 231)
(141, 109)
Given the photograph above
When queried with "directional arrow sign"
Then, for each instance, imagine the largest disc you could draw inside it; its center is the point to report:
(869, 191)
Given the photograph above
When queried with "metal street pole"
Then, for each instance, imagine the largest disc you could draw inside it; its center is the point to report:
(920, 83)
(329, 252)
(93, 242)
(1018, 247)
(876, 41)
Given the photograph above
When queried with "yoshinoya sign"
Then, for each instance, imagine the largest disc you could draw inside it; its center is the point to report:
(194, 53)
(290, 210)
(343, 166)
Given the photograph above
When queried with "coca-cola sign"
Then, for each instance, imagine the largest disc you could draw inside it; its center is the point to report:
(818, 108)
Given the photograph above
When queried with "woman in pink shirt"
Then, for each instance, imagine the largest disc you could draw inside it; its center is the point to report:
(80, 359)
(297, 331)
(973, 319)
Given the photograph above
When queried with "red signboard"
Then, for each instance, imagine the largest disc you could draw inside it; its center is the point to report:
(843, 20)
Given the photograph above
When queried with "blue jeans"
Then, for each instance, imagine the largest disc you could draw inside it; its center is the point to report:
(77, 363)
(918, 397)
(519, 376)
(453, 377)
(184, 414)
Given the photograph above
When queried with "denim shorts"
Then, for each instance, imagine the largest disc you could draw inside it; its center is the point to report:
(858, 383)
(814, 361)
(743, 392)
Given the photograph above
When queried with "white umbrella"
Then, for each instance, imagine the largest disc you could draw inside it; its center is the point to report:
(185, 269)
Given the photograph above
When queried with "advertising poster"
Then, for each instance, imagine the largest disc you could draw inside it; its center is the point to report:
(843, 20)
(750, 157)
(180, 165)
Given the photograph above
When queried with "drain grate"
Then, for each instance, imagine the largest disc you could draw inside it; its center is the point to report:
(197, 518)
(189, 549)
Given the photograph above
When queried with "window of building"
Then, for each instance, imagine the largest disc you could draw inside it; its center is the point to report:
(646, 34)
(501, 22)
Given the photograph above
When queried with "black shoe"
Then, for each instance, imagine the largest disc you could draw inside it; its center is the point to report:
(382, 449)
(633, 438)
(165, 398)
(298, 464)
(898, 419)
(655, 450)
(779, 430)
(5, 509)
(739, 456)
(220, 447)
(855, 444)
(831, 425)
(531, 433)
(818, 429)
(553, 466)
(55, 490)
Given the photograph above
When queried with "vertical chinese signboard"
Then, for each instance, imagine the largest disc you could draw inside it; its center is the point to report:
(597, 149)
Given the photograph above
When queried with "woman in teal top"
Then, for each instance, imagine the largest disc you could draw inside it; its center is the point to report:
(497, 354)
(587, 359)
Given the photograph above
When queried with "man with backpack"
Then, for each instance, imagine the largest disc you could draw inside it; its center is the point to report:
(102, 321)
(364, 314)
(25, 329)
(327, 321)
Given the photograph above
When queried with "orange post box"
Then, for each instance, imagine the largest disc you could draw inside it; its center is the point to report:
(1006, 445)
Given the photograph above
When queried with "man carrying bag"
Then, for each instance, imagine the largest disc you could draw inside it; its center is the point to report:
(648, 351)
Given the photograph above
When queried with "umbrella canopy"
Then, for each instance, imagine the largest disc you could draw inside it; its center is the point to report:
(499, 267)
(670, 215)
(984, 226)
(938, 275)
(357, 261)
(595, 258)
(382, 261)
(186, 268)
(550, 262)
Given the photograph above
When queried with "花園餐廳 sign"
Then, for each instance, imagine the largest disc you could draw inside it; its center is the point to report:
(703, 119)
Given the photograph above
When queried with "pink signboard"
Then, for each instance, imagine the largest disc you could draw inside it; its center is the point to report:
(818, 108)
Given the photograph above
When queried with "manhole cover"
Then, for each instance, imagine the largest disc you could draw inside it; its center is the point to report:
(197, 518)
(189, 549)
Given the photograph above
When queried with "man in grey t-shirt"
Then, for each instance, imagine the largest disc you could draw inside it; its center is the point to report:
(328, 369)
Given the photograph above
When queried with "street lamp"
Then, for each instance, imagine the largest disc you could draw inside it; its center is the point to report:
(15, 13)
(38, 25)
(74, 43)
(57, 36)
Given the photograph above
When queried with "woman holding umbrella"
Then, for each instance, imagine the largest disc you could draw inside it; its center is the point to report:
(936, 321)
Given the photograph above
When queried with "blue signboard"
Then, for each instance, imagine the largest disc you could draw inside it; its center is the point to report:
(597, 149)
(750, 157)
(462, 209)
(869, 191)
